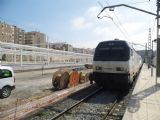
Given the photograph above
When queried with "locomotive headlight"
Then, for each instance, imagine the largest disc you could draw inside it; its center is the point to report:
(119, 68)
(98, 68)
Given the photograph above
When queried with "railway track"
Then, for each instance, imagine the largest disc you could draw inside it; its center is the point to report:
(76, 104)
(95, 105)
(53, 109)
(114, 111)
(111, 110)
(118, 108)
(98, 105)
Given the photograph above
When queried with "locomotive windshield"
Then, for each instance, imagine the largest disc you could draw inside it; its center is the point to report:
(112, 51)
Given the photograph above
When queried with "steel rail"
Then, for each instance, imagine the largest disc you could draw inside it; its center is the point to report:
(120, 97)
(114, 104)
(76, 104)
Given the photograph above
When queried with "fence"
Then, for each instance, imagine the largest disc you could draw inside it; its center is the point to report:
(11, 53)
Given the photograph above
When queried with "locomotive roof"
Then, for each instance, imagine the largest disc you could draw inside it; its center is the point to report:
(114, 40)
(117, 40)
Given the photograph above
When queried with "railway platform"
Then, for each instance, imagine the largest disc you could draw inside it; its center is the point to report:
(144, 103)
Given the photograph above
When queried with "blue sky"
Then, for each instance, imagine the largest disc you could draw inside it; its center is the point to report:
(75, 21)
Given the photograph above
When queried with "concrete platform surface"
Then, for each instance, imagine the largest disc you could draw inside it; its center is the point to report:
(144, 103)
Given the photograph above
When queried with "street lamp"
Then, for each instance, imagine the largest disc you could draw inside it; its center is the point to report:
(119, 5)
(105, 16)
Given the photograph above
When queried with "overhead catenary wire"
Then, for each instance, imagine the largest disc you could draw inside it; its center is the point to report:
(113, 21)
(119, 20)
(128, 36)
(153, 28)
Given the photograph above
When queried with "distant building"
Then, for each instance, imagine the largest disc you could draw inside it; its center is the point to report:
(6, 32)
(61, 46)
(68, 47)
(35, 38)
(78, 50)
(89, 51)
(83, 50)
(92, 51)
(19, 35)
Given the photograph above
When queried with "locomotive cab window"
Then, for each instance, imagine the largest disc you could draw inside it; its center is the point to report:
(112, 51)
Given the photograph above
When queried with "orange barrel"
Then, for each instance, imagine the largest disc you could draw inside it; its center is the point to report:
(82, 77)
(74, 78)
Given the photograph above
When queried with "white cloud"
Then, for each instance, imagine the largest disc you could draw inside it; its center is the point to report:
(141, 37)
(92, 12)
(95, 30)
(87, 20)
(81, 23)
(101, 32)
(134, 27)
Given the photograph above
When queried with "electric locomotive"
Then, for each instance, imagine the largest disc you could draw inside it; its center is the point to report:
(115, 63)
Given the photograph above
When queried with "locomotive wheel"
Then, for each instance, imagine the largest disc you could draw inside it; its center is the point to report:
(100, 84)
(130, 80)
(128, 83)
(64, 80)
(56, 78)
(74, 78)
(90, 77)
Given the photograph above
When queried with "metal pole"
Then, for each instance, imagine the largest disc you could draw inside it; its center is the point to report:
(152, 60)
(145, 54)
(149, 48)
(21, 58)
(14, 56)
(48, 58)
(158, 45)
(35, 58)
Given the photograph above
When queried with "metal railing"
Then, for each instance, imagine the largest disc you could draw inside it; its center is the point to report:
(11, 53)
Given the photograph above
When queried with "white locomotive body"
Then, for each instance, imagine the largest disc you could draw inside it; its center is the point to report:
(115, 62)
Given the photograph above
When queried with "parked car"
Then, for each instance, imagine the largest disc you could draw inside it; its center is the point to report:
(7, 81)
